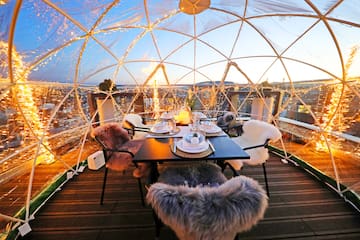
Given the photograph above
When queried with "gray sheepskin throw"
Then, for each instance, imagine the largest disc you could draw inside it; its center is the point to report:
(228, 121)
(209, 213)
(193, 175)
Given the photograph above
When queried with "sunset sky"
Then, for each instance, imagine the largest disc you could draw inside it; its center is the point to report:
(126, 45)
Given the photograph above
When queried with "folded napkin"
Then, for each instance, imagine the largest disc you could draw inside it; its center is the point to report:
(160, 128)
(167, 115)
(192, 147)
(193, 144)
(210, 128)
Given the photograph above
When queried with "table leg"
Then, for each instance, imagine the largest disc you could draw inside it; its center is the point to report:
(154, 174)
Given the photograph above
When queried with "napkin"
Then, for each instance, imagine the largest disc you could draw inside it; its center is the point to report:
(210, 128)
(190, 147)
(160, 128)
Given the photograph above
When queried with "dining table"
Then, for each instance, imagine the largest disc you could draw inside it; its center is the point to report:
(159, 148)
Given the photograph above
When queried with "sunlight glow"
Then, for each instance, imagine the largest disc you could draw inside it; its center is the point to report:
(23, 95)
(334, 117)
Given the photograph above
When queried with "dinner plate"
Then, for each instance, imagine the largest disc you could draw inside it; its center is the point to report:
(196, 148)
(210, 128)
(199, 115)
(167, 116)
(160, 129)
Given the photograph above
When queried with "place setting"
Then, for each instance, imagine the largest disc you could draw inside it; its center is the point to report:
(164, 129)
(201, 123)
(209, 128)
(192, 145)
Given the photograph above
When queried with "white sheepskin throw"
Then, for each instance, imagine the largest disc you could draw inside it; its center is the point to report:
(255, 132)
(136, 121)
(204, 212)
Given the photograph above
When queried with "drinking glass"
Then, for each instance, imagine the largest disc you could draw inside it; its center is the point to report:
(172, 125)
(195, 118)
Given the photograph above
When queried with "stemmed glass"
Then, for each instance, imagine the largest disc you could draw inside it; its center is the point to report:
(169, 119)
(195, 119)
(172, 125)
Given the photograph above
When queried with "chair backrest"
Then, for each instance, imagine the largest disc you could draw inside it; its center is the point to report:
(116, 144)
(111, 135)
(134, 123)
(193, 175)
(134, 119)
(228, 123)
(256, 132)
(209, 212)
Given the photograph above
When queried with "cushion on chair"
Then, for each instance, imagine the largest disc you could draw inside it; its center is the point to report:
(229, 124)
(120, 161)
(113, 136)
(255, 132)
(205, 212)
(193, 175)
(135, 120)
(226, 119)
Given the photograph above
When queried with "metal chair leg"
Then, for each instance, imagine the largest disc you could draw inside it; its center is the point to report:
(103, 186)
(158, 225)
(266, 180)
(141, 192)
(223, 165)
(235, 173)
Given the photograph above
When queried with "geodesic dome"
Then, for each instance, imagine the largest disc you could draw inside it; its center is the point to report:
(55, 53)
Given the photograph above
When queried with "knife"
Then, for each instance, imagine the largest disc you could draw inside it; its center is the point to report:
(211, 146)
(174, 146)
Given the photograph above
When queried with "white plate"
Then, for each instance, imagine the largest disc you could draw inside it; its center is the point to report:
(210, 128)
(192, 149)
(167, 116)
(158, 129)
(199, 115)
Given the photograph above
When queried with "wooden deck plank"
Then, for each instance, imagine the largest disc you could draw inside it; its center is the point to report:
(300, 207)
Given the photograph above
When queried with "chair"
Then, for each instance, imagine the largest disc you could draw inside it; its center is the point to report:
(134, 124)
(254, 140)
(198, 202)
(228, 123)
(118, 151)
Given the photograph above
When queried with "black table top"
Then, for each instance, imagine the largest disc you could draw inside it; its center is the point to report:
(159, 150)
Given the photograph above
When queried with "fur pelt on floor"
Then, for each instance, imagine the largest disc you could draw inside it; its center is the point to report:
(255, 132)
(113, 136)
(204, 212)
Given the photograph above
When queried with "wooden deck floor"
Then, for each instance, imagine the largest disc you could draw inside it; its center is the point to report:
(300, 208)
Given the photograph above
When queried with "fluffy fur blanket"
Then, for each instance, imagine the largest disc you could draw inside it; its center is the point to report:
(136, 121)
(204, 212)
(113, 136)
(226, 119)
(255, 132)
(229, 123)
(203, 174)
